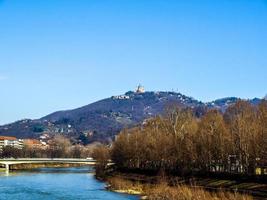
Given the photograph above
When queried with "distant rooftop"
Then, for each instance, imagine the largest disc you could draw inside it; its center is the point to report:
(7, 138)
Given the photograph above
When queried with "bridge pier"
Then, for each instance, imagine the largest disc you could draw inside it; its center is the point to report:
(7, 168)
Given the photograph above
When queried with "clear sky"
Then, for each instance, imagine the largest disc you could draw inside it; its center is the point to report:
(62, 54)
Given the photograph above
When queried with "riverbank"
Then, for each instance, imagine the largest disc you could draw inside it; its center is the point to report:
(172, 186)
(163, 191)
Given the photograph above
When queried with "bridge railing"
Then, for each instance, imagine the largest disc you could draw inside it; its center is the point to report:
(48, 159)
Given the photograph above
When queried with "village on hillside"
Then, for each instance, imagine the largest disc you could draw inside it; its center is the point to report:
(16, 143)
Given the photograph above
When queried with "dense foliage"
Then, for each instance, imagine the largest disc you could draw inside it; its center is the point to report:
(233, 142)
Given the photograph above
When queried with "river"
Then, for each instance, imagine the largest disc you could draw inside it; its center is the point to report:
(55, 184)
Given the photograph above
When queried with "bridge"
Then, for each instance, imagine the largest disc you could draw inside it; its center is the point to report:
(13, 161)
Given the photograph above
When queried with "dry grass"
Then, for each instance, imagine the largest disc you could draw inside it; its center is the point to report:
(182, 192)
(125, 186)
(163, 191)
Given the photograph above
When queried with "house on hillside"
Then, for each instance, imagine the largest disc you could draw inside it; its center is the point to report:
(34, 144)
(10, 141)
(121, 97)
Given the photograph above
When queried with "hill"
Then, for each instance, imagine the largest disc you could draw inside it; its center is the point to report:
(102, 120)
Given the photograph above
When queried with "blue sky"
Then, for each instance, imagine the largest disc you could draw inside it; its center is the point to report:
(62, 54)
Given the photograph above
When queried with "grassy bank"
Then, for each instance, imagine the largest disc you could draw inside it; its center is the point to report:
(163, 191)
(212, 184)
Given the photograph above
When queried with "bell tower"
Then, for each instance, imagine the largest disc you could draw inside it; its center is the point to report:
(140, 89)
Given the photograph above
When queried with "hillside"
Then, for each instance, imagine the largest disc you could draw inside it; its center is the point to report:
(102, 120)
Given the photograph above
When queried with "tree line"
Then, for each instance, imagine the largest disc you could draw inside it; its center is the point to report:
(59, 147)
(231, 142)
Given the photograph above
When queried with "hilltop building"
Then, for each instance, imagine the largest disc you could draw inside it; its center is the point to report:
(10, 141)
(121, 97)
(140, 89)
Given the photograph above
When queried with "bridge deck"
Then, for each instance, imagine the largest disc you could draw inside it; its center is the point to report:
(12, 161)
(46, 160)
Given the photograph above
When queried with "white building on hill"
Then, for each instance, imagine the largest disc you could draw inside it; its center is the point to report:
(10, 141)
(140, 89)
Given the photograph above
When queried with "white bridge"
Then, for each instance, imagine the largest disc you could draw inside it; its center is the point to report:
(12, 161)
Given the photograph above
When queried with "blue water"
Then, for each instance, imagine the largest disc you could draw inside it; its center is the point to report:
(50, 184)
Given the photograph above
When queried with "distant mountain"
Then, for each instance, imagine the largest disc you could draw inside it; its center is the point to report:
(102, 120)
(224, 103)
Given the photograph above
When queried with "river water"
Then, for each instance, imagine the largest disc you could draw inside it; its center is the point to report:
(55, 183)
